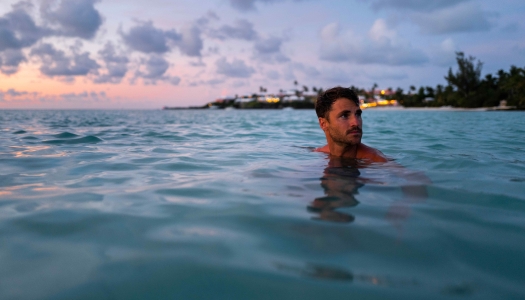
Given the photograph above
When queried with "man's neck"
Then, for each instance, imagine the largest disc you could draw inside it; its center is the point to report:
(348, 151)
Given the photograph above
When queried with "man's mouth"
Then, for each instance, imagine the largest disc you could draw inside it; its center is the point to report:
(354, 131)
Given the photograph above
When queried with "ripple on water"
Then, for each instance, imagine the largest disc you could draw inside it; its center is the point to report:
(214, 204)
(90, 139)
(65, 135)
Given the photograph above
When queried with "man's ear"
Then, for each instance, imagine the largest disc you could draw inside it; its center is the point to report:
(323, 123)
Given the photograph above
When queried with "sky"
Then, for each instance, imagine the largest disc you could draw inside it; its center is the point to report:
(129, 54)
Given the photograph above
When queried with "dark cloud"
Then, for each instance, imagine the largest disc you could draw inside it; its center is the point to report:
(147, 38)
(116, 65)
(76, 18)
(154, 69)
(242, 30)
(269, 50)
(466, 17)
(415, 5)
(10, 59)
(237, 68)
(382, 46)
(57, 63)
(18, 29)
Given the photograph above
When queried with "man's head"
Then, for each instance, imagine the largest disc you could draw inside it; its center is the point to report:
(340, 116)
(326, 99)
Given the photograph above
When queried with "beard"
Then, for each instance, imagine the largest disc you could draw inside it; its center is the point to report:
(343, 137)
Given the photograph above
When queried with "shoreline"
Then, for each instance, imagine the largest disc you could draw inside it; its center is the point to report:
(386, 108)
(445, 108)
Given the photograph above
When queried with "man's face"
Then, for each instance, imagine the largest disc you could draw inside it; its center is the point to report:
(344, 124)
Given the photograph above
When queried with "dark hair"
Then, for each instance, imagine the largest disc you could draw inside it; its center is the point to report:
(325, 100)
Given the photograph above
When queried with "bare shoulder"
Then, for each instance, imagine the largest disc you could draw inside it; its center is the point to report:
(323, 149)
(366, 152)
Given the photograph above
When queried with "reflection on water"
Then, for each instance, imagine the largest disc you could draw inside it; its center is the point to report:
(342, 179)
(340, 183)
(337, 274)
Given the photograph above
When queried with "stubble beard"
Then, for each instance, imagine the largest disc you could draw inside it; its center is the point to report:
(343, 139)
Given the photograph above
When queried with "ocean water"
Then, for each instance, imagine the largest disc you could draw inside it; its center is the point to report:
(235, 205)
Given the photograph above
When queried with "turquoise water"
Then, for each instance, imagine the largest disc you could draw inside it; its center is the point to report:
(235, 205)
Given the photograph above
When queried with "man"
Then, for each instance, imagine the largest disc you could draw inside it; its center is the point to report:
(340, 119)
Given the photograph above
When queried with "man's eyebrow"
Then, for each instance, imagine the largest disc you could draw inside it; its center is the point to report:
(344, 112)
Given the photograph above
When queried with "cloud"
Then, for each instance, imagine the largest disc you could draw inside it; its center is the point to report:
(247, 5)
(415, 5)
(330, 31)
(445, 54)
(116, 65)
(57, 63)
(10, 59)
(382, 46)
(511, 27)
(273, 75)
(338, 75)
(209, 17)
(385, 74)
(18, 29)
(212, 82)
(309, 71)
(15, 93)
(269, 50)
(467, 17)
(191, 42)
(237, 68)
(12, 94)
(242, 30)
(84, 96)
(146, 38)
(75, 18)
(154, 69)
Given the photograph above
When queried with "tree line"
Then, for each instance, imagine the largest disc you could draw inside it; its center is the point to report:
(466, 88)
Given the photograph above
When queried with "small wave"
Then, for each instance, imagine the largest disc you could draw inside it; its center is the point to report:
(20, 132)
(65, 135)
(90, 139)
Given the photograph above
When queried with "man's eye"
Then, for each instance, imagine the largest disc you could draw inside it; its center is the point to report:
(358, 113)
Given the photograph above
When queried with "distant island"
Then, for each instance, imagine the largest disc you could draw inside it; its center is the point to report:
(465, 89)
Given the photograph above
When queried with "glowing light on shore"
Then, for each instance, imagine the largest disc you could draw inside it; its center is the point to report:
(379, 103)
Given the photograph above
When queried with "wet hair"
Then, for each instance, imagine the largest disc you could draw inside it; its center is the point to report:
(324, 102)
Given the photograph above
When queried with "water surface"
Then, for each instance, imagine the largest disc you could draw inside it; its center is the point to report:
(235, 205)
